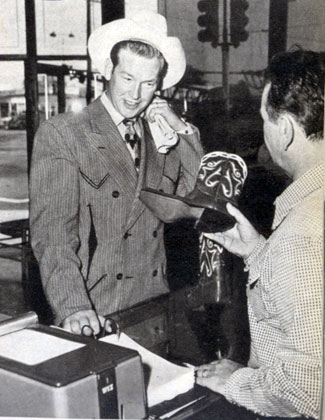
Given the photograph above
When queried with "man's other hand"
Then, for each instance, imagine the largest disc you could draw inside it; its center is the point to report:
(87, 323)
(215, 375)
(162, 107)
(84, 322)
(241, 239)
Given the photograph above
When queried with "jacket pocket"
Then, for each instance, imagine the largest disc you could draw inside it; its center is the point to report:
(92, 284)
(95, 177)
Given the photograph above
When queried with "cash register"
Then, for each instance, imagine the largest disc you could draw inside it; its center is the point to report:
(48, 372)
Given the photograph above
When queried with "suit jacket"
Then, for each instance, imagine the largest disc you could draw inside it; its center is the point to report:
(97, 245)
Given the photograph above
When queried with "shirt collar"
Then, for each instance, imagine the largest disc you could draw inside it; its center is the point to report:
(115, 115)
(309, 182)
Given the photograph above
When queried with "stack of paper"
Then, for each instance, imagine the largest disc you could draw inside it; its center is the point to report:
(164, 380)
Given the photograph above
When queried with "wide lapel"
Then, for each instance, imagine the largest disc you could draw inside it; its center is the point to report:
(112, 150)
(151, 169)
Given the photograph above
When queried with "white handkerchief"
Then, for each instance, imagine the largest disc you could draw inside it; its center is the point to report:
(164, 380)
(163, 135)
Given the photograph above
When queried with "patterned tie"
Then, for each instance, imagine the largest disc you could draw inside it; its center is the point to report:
(133, 140)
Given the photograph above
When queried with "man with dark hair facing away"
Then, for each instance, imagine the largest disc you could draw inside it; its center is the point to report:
(285, 283)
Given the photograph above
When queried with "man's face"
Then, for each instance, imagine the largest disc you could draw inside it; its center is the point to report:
(133, 83)
(271, 130)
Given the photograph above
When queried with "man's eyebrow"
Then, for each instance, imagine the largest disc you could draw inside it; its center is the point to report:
(124, 72)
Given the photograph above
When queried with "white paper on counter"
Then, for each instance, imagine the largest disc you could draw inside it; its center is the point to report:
(166, 380)
(32, 347)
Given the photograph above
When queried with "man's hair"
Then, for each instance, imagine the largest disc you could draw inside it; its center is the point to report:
(297, 88)
(141, 49)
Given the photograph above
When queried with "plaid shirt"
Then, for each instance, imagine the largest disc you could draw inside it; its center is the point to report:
(284, 293)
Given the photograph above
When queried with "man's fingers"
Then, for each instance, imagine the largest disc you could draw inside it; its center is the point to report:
(212, 382)
(201, 381)
(158, 106)
(217, 237)
(238, 215)
(82, 322)
(86, 330)
(206, 371)
(109, 326)
(72, 326)
(105, 323)
(157, 110)
(94, 324)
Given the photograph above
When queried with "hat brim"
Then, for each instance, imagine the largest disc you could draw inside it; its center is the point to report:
(170, 208)
(102, 40)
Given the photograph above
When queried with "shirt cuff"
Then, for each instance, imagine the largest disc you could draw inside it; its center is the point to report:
(233, 385)
(258, 247)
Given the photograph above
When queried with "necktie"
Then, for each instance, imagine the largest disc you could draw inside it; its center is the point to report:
(133, 140)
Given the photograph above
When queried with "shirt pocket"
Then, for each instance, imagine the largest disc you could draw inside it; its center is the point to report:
(257, 302)
(95, 176)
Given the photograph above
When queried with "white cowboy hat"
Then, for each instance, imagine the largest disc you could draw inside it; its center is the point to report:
(145, 26)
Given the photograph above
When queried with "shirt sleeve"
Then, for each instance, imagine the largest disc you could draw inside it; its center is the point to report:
(189, 129)
(290, 384)
(189, 151)
(252, 262)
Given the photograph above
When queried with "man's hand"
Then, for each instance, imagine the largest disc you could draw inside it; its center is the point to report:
(215, 375)
(241, 239)
(162, 107)
(86, 322)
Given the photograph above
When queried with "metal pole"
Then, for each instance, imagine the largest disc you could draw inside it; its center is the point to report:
(225, 56)
(278, 27)
(112, 10)
(61, 93)
(31, 85)
(88, 79)
(46, 97)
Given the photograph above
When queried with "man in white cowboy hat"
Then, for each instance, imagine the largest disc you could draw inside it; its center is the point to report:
(99, 248)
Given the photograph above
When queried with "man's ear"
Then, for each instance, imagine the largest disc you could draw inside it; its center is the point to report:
(287, 130)
(108, 69)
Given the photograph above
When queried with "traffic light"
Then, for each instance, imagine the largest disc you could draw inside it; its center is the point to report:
(210, 21)
(238, 21)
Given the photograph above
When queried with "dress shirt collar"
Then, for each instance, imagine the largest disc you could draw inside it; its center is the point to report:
(118, 118)
(309, 182)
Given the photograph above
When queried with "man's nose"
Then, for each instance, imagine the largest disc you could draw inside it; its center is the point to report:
(136, 91)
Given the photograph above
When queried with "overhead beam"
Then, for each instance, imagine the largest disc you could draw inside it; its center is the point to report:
(52, 70)
(22, 57)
